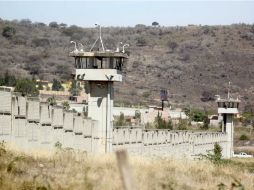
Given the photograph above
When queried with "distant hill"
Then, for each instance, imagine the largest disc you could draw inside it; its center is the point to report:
(194, 63)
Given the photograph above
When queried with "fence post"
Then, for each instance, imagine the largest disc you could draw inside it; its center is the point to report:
(125, 170)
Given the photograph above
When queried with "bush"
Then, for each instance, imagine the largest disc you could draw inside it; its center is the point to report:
(172, 45)
(198, 116)
(53, 25)
(215, 156)
(162, 123)
(182, 125)
(244, 137)
(42, 42)
(141, 41)
(75, 88)
(51, 101)
(8, 32)
(121, 120)
(207, 96)
(26, 87)
(146, 94)
(57, 86)
(66, 105)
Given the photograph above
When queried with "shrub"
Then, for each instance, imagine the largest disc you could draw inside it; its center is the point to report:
(207, 96)
(182, 125)
(57, 86)
(160, 123)
(121, 120)
(41, 42)
(155, 23)
(51, 101)
(216, 155)
(75, 88)
(53, 25)
(66, 105)
(198, 116)
(8, 32)
(146, 94)
(141, 41)
(172, 45)
(244, 137)
(26, 87)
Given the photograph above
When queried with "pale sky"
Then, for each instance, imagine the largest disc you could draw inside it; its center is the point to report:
(130, 13)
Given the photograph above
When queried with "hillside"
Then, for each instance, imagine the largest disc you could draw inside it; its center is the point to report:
(194, 63)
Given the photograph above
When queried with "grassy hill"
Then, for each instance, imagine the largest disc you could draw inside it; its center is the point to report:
(194, 62)
(67, 170)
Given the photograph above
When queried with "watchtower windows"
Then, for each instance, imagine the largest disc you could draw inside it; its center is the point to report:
(227, 104)
(99, 63)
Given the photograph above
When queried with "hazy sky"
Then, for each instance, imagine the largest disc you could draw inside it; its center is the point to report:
(130, 13)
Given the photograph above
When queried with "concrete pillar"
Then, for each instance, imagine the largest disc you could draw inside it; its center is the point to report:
(229, 129)
(100, 108)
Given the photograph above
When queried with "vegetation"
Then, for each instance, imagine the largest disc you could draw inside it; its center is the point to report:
(41, 50)
(244, 137)
(216, 155)
(182, 125)
(120, 121)
(8, 32)
(20, 171)
(8, 80)
(40, 87)
(160, 123)
(51, 101)
(198, 115)
(57, 86)
(26, 87)
(66, 105)
(75, 88)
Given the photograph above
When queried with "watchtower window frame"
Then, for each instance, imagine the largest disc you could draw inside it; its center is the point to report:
(96, 62)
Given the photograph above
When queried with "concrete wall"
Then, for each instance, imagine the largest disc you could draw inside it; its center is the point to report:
(32, 125)
(29, 124)
(167, 142)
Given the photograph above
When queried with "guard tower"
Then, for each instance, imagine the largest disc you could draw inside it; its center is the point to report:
(100, 68)
(228, 107)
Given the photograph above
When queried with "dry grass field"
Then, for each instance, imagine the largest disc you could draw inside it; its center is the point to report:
(68, 170)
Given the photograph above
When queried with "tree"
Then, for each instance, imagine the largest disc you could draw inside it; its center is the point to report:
(66, 105)
(26, 87)
(53, 25)
(141, 41)
(161, 123)
(51, 101)
(121, 120)
(9, 80)
(206, 122)
(57, 86)
(63, 25)
(198, 116)
(75, 88)
(155, 24)
(40, 87)
(182, 125)
(8, 32)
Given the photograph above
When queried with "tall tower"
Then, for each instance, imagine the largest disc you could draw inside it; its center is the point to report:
(100, 69)
(228, 107)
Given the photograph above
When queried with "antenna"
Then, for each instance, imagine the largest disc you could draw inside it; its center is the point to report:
(75, 47)
(99, 38)
(229, 89)
(81, 47)
(125, 45)
(117, 48)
